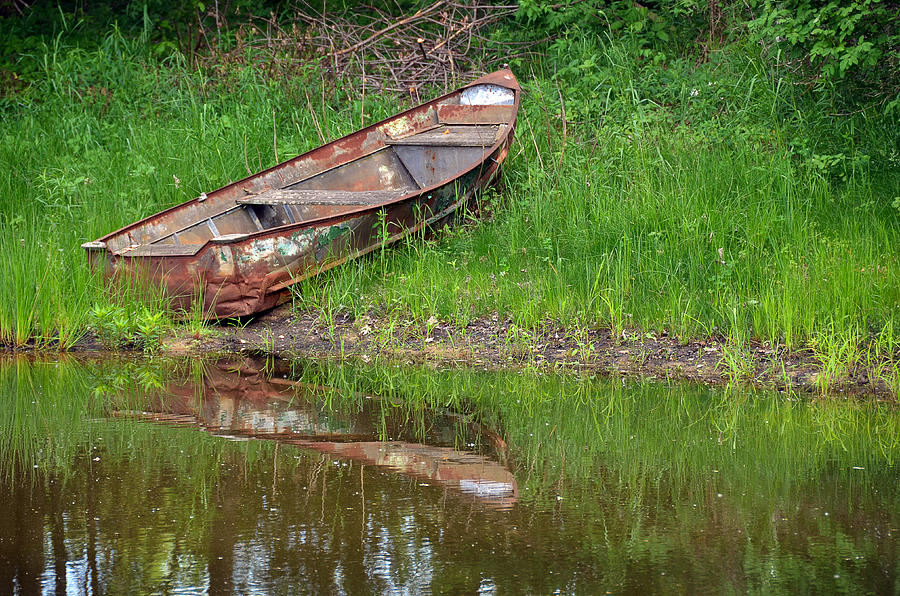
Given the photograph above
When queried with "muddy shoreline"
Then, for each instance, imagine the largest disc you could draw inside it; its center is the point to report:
(493, 343)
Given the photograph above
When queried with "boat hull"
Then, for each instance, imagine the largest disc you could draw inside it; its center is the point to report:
(233, 275)
(255, 274)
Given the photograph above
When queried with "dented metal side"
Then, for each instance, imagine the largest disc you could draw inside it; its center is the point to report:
(252, 272)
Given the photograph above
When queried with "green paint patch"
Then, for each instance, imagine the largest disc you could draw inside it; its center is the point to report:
(334, 232)
(285, 247)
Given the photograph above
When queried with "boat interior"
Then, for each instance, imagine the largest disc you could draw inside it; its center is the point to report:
(456, 140)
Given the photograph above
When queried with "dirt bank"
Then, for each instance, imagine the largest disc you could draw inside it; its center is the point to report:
(496, 343)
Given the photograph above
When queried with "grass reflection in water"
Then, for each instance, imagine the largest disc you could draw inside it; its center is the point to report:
(645, 486)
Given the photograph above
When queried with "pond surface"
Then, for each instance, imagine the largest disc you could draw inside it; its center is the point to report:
(259, 477)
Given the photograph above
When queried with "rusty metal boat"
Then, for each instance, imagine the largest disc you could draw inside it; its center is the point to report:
(237, 250)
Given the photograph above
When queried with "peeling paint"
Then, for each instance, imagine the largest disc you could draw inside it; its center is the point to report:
(286, 248)
(387, 176)
(410, 122)
(226, 261)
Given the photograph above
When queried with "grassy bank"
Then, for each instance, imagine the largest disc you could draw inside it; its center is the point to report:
(699, 197)
(693, 202)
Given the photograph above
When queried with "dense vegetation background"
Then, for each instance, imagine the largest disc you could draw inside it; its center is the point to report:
(715, 168)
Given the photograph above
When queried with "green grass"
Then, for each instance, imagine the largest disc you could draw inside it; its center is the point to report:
(634, 232)
(700, 198)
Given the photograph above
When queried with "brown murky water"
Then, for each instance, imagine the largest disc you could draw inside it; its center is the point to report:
(238, 480)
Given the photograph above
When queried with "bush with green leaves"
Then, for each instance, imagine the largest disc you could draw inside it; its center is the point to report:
(657, 25)
(840, 40)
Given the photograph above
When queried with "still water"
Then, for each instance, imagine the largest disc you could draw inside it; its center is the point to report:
(239, 476)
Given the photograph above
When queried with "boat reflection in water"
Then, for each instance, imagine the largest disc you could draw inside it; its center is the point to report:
(240, 401)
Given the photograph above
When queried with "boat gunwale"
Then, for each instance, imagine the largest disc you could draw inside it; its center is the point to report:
(490, 78)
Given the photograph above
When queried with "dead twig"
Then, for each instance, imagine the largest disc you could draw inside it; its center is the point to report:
(433, 46)
(395, 53)
(391, 27)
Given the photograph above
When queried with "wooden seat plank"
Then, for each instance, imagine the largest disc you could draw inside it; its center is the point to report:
(451, 136)
(462, 114)
(161, 250)
(323, 197)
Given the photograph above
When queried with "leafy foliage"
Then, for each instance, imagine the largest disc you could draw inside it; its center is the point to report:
(652, 27)
(841, 40)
